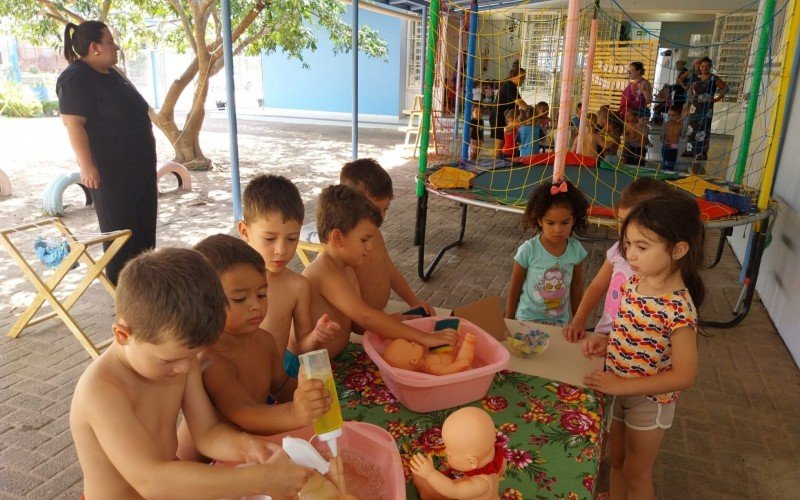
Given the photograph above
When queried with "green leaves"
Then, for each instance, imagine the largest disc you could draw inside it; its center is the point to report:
(282, 25)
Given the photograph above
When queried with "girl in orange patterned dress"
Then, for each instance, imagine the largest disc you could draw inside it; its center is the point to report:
(651, 352)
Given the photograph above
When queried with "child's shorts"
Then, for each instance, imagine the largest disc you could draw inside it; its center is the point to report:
(641, 413)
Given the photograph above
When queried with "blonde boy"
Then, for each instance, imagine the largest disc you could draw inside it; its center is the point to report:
(273, 215)
(347, 223)
(245, 366)
(169, 305)
(377, 275)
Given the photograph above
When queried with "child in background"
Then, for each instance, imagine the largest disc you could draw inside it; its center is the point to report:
(510, 132)
(347, 223)
(612, 138)
(547, 279)
(672, 137)
(245, 365)
(591, 141)
(615, 271)
(651, 353)
(169, 304)
(575, 122)
(526, 133)
(273, 215)
(475, 132)
(377, 275)
(635, 132)
(542, 120)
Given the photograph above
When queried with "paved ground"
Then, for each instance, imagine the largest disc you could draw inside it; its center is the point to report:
(735, 435)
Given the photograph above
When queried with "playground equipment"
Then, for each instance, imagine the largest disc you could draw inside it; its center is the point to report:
(53, 198)
(179, 171)
(5, 184)
(741, 152)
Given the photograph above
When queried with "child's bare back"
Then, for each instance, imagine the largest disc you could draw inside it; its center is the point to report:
(108, 396)
(374, 274)
(323, 269)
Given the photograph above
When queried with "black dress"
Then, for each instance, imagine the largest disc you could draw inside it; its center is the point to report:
(123, 150)
(507, 94)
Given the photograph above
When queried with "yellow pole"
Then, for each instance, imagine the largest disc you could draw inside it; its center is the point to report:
(778, 111)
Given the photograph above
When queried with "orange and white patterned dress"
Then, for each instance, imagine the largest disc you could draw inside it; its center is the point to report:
(639, 344)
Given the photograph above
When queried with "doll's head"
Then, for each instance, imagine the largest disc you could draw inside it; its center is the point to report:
(401, 353)
(469, 437)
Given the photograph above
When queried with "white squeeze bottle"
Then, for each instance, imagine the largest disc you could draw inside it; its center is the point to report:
(327, 427)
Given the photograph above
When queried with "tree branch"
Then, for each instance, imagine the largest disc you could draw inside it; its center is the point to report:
(187, 27)
(247, 20)
(219, 63)
(61, 11)
(104, 10)
(217, 24)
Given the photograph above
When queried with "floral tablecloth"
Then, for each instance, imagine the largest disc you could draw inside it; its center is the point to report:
(551, 431)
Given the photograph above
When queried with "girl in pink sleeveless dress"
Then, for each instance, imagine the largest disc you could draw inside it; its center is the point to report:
(615, 271)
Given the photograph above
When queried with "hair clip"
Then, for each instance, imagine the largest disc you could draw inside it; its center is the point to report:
(561, 188)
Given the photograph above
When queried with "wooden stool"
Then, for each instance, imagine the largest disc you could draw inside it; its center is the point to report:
(45, 289)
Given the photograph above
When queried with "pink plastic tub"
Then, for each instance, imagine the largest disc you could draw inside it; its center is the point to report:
(367, 440)
(421, 392)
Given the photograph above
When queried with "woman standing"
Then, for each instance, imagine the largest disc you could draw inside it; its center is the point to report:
(112, 137)
(705, 90)
(507, 98)
(638, 95)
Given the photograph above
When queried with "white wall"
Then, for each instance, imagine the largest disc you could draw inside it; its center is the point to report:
(779, 281)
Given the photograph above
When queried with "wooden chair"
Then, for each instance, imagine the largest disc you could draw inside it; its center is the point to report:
(46, 289)
(304, 251)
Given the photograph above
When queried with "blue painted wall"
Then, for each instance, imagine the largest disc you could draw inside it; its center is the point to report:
(327, 84)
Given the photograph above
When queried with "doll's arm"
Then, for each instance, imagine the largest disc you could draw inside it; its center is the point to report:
(471, 487)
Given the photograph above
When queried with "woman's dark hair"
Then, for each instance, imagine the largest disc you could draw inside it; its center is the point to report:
(706, 59)
(638, 66)
(78, 37)
(674, 217)
(542, 199)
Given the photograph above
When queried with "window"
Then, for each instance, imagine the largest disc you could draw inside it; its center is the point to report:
(415, 54)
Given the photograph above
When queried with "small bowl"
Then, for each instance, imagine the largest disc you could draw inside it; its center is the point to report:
(525, 344)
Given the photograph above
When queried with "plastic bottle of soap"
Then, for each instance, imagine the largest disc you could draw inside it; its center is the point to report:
(327, 427)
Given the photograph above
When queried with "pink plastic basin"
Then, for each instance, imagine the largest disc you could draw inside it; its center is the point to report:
(421, 392)
(365, 439)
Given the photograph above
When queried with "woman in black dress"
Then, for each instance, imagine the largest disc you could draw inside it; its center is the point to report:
(705, 90)
(112, 137)
(507, 98)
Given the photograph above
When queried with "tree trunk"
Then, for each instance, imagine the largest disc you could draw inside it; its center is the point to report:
(186, 141)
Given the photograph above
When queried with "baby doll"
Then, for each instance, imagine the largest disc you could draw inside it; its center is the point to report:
(469, 439)
(401, 353)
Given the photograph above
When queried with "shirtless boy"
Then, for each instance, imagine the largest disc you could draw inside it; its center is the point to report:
(245, 366)
(377, 275)
(169, 304)
(273, 215)
(672, 137)
(347, 223)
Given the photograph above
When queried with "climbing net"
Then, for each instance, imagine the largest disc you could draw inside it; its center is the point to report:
(705, 127)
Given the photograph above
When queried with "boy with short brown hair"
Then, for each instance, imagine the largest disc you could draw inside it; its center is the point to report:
(377, 275)
(347, 223)
(245, 365)
(273, 215)
(169, 305)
